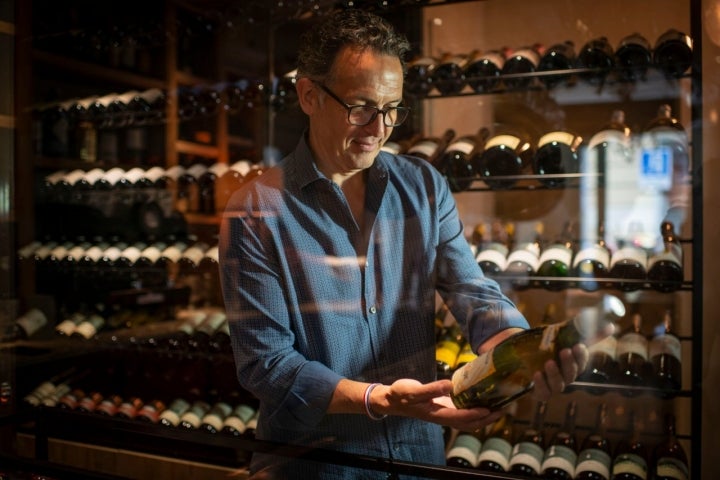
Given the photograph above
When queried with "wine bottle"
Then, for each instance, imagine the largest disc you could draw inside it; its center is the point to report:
(523, 260)
(665, 267)
(630, 461)
(505, 154)
(418, 78)
(213, 420)
(192, 419)
(431, 148)
(207, 187)
(561, 454)
(89, 402)
(237, 422)
(448, 77)
(669, 457)
(464, 451)
(519, 65)
(556, 259)
(400, 146)
(109, 405)
(633, 57)
(55, 130)
(229, 182)
(448, 349)
(150, 412)
(170, 417)
(504, 373)
(628, 267)
(554, 63)
(89, 327)
(598, 58)
(557, 154)
(527, 454)
(69, 324)
(129, 408)
(455, 162)
(497, 447)
(188, 195)
(592, 263)
(594, 460)
(673, 53)
(493, 257)
(220, 339)
(632, 355)
(602, 367)
(26, 325)
(483, 74)
(199, 341)
(665, 353)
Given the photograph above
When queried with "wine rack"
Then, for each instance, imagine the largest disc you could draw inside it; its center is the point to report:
(245, 110)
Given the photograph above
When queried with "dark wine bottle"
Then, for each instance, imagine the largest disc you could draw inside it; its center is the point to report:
(506, 154)
(602, 367)
(632, 355)
(594, 460)
(630, 462)
(665, 267)
(431, 148)
(483, 73)
(665, 353)
(669, 457)
(557, 154)
(493, 256)
(673, 53)
(449, 75)
(633, 57)
(555, 62)
(597, 57)
(418, 78)
(529, 449)
(628, 267)
(561, 454)
(497, 447)
(519, 65)
(455, 162)
(556, 260)
(464, 451)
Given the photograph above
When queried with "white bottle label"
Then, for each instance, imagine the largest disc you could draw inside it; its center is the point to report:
(154, 173)
(93, 175)
(630, 253)
(425, 147)
(174, 252)
(633, 343)
(557, 136)
(494, 253)
(463, 145)
(134, 174)
(559, 253)
(560, 457)
(630, 463)
(527, 453)
(510, 141)
(465, 447)
(32, 321)
(593, 460)
(665, 344)
(494, 57)
(496, 450)
(113, 175)
(528, 253)
(594, 252)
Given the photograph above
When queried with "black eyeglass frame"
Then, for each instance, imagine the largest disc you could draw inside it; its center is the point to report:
(400, 111)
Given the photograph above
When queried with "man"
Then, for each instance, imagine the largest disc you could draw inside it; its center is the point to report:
(331, 262)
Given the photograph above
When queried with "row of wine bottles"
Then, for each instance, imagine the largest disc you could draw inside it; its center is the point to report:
(502, 157)
(486, 71)
(587, 264)
(216, 417)
(534, 452)
(197, 188)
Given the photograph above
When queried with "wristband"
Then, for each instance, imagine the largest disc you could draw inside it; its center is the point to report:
(368, 411)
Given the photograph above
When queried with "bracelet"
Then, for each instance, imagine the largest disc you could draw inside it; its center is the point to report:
(368, 411)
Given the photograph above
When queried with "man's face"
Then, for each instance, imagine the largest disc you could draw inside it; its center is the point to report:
(359, 78)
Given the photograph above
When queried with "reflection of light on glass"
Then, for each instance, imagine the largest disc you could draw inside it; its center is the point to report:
(711, 22)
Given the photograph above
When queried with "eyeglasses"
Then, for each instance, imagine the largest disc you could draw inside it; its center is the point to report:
(361, 115)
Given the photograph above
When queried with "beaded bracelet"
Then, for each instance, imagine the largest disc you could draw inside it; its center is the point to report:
(369, 412)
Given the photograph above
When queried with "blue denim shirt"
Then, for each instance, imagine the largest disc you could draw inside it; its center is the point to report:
(311, 300)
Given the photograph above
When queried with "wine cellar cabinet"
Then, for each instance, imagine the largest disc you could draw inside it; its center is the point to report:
(199, 85)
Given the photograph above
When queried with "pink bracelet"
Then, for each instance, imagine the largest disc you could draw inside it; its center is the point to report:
(368, 411)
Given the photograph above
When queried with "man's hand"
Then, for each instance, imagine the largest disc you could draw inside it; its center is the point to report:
(430, 402)
(556, 377)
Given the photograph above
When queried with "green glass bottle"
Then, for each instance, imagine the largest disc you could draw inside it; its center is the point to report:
(505, 372)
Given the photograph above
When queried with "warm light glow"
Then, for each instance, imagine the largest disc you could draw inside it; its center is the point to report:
(711, 21)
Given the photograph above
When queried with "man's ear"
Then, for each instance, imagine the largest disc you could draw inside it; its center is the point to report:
(307, 92)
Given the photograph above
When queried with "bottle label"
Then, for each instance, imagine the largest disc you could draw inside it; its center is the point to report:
(593, 460)
(594, 252)
(672, 255)
(496, 450)
(607, 345)
(496, 253)
(550, 333)
(76, 252)
(510, 141)
(527, 453)
(134, 174)
(152, 254)
(465, 447)
(94, 253)
(66, 327)
(93, 175)
(529, 54)
(630, 464)
(112, 253)
(630, 253)
(463, 145)
(560, 457)
(194, 255)
(391, 147)
(172, 253)
(528, 253)
(495, 58)
(558, 137)
(559, 253)
(59, 252)
(113, 175)
(196, 170)
(471, 373)
(154, 174)
(426, 148)
(235, 423)
(214, 420)
(632, 342)
(32, 321)
(665, 344)
(131, 253)
(668, 467)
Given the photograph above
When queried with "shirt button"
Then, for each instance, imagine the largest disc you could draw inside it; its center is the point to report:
(373, 310)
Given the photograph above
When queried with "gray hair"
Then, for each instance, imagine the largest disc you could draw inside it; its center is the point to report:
(320, 45)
